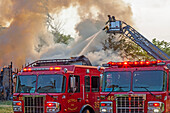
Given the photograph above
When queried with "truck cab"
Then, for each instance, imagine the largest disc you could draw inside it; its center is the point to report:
(136, 87)
(46, 87)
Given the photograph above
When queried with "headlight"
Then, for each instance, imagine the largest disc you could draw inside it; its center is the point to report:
(155, 107)
(106, 107)
(53, 107)
(17, 106)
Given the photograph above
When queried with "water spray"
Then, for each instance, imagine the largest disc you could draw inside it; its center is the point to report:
(91, 40)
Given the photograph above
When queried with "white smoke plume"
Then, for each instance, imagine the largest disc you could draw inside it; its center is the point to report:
(25, 22)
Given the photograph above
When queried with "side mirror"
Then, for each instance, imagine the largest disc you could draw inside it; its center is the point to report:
(168, 65)
(65, 70)
(101, 80)
(98, 68)
(72, 82)
(14, 76)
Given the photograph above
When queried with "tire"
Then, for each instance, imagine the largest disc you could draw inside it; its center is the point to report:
(87, 111)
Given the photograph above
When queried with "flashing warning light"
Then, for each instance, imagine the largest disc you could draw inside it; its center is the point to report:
(147, 62)
(113, 63)
(51, 68)
(103, 104)
(18, 103)
(155, 104)
(130, 63)
(119, 63)
(42, 69)
(51, 104)
(153, 62)
(25, 69)
(110, 62)
(142, 62)
(135, 63)
(158, 61)
(29, 69)
(125, 63)
(57, 68)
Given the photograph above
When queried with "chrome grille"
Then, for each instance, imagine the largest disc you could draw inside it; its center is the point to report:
(130, 103)
(34, 104)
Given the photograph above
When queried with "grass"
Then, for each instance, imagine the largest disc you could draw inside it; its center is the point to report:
(6, 102)
(6, 107)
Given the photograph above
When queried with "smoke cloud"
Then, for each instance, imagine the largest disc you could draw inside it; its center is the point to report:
(25, 22)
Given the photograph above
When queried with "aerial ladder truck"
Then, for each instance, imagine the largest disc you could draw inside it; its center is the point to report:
(114, 26)
(139, 86)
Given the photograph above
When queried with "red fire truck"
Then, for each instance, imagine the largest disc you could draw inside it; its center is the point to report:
(58, 86)
(136, 87)
(139, 86)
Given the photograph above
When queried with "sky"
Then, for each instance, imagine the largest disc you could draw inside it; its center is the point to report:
(68, 24)
(151, 18)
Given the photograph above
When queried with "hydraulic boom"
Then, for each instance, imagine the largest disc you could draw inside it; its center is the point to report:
(114, 26)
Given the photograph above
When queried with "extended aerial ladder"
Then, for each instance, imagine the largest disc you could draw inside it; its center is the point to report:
(114, 26)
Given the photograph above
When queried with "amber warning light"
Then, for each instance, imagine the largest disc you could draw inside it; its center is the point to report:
(42, 69)
(18, 103)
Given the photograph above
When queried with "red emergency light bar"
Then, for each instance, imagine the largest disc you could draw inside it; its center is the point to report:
(136, 63)
(42, 69)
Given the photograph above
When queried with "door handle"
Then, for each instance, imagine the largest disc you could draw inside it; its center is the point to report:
(98, 98)
(79, 99)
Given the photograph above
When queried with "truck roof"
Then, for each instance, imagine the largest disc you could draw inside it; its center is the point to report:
(59, 69)
(137, 65)
(81, 60)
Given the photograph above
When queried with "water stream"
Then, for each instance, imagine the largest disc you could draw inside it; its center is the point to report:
(91, 40)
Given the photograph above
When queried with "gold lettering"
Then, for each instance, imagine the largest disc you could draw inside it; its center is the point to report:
(108, 98)
(20, 98)
(112, 98)
(72, 100)
(72, 109)
(72, 104)
(96, 104)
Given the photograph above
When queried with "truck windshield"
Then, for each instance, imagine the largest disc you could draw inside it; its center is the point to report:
(26, 84)
(116, 81)
(51, 84)
(149, 80)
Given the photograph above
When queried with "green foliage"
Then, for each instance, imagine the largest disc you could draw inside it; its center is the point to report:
(164, 46)
(6, 107)
(5, 102)
(61, 38)
(55, 29)
(129, 50)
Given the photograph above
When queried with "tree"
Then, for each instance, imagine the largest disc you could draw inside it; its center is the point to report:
(164, 46)
(55, 29)
(129, 50)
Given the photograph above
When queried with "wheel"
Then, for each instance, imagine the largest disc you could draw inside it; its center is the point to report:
(87, 111)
